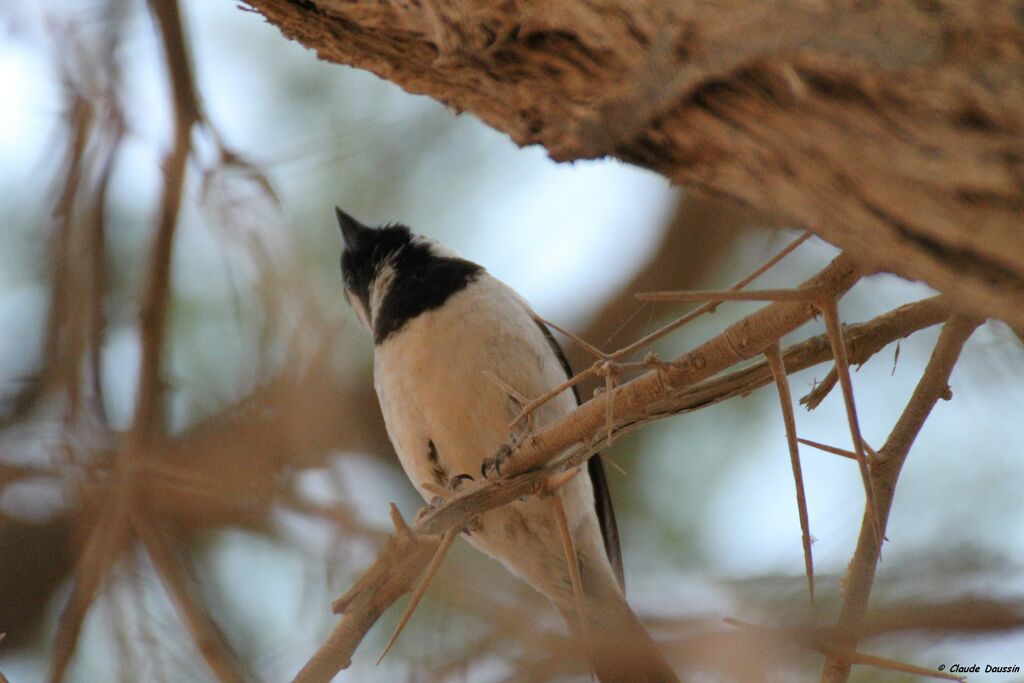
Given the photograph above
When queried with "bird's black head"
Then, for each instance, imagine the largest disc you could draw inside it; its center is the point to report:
(366, 253)
(391, 276)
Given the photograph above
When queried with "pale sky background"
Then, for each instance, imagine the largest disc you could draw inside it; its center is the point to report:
(566, 237)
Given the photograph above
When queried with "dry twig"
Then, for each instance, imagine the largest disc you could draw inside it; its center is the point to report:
(708, 307)
(778, 367)
(834, 329)
(153, 311)
(860, 578)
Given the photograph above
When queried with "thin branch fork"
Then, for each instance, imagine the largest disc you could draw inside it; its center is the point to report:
(875, 333)
(860, 578)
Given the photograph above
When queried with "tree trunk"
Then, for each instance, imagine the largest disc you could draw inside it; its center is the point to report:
(893, 129)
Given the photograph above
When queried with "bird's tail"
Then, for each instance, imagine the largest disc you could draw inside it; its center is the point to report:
(618, 646)
(621, 650)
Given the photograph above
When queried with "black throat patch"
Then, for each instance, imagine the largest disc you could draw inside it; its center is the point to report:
(421, 280)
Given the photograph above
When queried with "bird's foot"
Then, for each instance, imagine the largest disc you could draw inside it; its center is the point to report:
(491, 467)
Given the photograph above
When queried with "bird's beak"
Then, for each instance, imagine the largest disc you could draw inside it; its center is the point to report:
(351, 229)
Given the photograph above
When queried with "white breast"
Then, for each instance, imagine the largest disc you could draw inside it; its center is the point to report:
(432, 380)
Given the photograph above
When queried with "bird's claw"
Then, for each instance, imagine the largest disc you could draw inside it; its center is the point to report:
(455, 482)
(491, 467)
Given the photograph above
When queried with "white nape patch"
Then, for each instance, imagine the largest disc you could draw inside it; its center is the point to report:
(360, 309)
(380, 287)
(436, 248)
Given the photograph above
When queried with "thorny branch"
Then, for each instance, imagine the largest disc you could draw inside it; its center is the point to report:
(647, 339)
(668, 389)
(932, 387)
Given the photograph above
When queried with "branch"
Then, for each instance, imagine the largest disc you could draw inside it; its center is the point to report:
(778, 369)
(884, 475)
(108, 535)
(153, 311)
(740, 341)
(874, 334)
(474, 499)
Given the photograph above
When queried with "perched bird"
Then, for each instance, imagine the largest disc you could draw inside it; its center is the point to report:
(450, 341)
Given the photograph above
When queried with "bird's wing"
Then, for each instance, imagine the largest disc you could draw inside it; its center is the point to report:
(595, 468)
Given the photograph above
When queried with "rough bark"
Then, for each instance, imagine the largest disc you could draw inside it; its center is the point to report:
(892, 128)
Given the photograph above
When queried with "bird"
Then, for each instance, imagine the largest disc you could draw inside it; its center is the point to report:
(455, 352)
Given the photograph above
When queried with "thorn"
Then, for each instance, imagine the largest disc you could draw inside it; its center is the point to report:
(829, 449)
(421, 589)
(557, 481)
(570, 560)
(774, 356)
(398, 522)
(711, 305)
(507, 388)
(611, 461)
(590, 348)
(830, 312)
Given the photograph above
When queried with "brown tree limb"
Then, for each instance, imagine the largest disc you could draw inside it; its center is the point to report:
(884, 475)
(875, 333)
(893, 131)
(901, 322)
(149, 408)
(107, 537)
